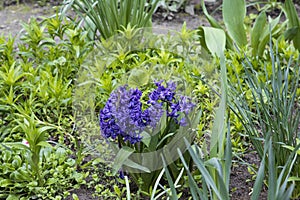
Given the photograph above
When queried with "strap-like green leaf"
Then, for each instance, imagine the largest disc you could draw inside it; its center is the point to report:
(234, 12)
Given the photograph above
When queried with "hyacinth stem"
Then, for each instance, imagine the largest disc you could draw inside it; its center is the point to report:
(121, 172)
(119, 142)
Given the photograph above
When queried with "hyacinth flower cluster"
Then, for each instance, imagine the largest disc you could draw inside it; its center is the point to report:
(123, 115)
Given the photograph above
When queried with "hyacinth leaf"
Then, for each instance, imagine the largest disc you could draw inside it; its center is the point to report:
(121, 157)
(162, 141)
(134, 165)
(146, 138)
(234, 12)
(138, 78)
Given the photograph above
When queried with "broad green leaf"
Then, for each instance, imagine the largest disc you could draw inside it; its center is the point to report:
(215, 40)
(218, 130)
(138, 77)
(293, 21)
(234, 12)
(256, 34)
(291, 13)
(121, 158)
(291, 33)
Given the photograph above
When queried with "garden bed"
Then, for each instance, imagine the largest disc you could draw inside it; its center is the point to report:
(242, 175)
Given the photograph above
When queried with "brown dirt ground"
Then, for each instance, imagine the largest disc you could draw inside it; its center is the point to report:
(10, 23)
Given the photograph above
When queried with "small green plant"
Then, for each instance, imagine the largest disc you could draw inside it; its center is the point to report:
(104, 18)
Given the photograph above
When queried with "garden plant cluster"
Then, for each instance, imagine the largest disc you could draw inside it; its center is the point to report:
(93, 101)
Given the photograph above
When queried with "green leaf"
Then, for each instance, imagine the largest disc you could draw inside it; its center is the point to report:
(234, 12)
(121, 158)
(293, 21)
(146, 138)
(130, 163)
(213, 22)
(165, 138)
(193, 186)
(291, 13)
(75, 197)
(259, 180)
(13, 197)
(265, 34)
(256, 34)
(44, 144)
(215, 40)
(294, 178)
(138, 78)
(6, 182)
(218, 129)
(205, 173)
(170, 181)
(291, 33)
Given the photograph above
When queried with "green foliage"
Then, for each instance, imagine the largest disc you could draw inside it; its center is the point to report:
(18, 179)
(234, 13)
(293, 32)
(36, 91)
(104, 18)
(272, 109)
(278, 178)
